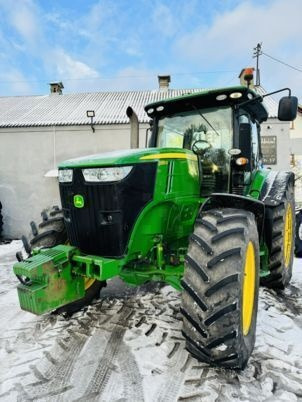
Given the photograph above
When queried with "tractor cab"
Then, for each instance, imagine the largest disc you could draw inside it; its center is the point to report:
(214, 126)
(222, 127)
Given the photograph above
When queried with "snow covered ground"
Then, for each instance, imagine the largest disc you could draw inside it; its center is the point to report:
(128, 346)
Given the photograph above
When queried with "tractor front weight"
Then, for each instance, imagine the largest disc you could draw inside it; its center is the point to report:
(54, 277)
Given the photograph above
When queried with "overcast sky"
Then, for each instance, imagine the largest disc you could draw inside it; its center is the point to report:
(121, 44)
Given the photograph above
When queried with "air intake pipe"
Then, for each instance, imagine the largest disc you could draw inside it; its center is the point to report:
(134, 127)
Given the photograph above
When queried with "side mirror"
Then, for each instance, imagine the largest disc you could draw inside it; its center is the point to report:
(288, 106)
(245, 142)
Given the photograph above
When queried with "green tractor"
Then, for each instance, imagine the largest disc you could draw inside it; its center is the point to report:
(195, 210)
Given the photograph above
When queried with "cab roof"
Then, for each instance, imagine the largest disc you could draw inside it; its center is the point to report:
(208, 98)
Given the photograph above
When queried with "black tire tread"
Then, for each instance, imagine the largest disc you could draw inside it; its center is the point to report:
(193, 323)
(210, 301)
(222, 256)
(194, 295)
(226, 233)
(220, 314)
(279, 276)
(198, 268)
(203, 244)
(207, 224)
(220, 284)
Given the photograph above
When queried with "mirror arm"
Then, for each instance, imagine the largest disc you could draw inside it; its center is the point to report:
(260, 97)
(280, 90)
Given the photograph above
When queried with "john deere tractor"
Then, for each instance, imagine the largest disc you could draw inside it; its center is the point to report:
(195, 209)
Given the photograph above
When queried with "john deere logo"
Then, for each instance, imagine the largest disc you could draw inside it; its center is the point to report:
(78, 201)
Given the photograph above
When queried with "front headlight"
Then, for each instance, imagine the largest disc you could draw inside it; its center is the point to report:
(65, 175)
(106, 174)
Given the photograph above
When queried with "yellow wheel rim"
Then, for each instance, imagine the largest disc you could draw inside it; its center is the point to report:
(88, 282)
(249, 283)
(288, 235)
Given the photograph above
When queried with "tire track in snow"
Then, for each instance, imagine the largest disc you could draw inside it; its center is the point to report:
(102, 374)
(132, 379)
(57, 376)
(174, 377)
(53, 374)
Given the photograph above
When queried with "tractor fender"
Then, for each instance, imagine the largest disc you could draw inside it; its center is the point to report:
(274, 188)
(225, 200)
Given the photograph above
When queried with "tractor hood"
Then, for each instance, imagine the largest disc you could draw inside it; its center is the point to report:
(128, 157)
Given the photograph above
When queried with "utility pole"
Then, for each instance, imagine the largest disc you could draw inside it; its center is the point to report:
(257, 53)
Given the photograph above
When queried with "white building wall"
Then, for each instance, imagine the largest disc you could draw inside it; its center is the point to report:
(289, 149)
(274, 127)
(27, 154)
(296, 151)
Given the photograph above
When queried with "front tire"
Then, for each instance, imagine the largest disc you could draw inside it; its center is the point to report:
(50, 233)
(220, 288)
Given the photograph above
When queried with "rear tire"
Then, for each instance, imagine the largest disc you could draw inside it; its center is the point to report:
(281, 244)
(219, 306)
(52, 232)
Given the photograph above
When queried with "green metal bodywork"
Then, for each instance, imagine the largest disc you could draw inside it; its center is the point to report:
(158, 242)
(257, 181)
(50, 280)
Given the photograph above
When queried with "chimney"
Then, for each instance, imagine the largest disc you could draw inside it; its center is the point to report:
(56, 87)
(163, 82)
(247, 77)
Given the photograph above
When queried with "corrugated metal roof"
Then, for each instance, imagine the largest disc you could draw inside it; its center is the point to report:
(70, 109)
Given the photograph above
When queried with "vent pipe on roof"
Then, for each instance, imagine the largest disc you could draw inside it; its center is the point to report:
(134, 127)
(163, 82)
(56, 87)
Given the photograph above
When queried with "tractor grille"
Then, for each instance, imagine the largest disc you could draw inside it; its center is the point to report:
(103, 226)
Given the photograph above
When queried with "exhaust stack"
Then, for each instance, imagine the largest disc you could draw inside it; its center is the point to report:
(134, 127)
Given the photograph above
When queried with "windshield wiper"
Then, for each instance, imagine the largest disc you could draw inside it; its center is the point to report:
(205, 119)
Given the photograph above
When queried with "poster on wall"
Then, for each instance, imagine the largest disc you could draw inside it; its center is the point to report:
(269, 149)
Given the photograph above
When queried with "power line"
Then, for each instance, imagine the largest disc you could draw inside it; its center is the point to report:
(117, 77)
(282, 62)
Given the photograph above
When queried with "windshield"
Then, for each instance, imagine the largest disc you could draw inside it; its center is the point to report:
(181, 130)
(209, 133)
